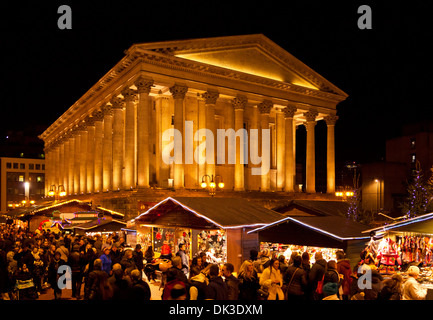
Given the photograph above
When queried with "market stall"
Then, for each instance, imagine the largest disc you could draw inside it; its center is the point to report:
(216, 226)
(326, 234)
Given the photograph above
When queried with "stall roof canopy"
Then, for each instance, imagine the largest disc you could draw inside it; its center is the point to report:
(99, 224)
(223, 213)
(421, 224)
(313, 207)
(336, 227)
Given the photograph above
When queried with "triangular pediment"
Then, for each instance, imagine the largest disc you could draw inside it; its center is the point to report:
(251, 54)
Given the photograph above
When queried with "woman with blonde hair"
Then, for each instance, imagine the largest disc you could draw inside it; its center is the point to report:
(248, 281)
(272, 280)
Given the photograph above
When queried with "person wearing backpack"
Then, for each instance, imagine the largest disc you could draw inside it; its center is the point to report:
(316, 275)
(332, 275)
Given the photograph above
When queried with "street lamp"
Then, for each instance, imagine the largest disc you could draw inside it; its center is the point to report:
(57, 192)
(212, 183)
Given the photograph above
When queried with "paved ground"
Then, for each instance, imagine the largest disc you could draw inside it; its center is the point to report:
(67, 293)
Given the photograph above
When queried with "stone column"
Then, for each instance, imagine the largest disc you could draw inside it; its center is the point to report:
(90, 160)
(129, 96)
(210, 97)
(66, 163)
(143, 114)
(98, 151)
(71, 163)
(47, 153)
(56, 164)
(83, 158)
(280, 149)
(118, 126)
(77, 160)
(290, 165)
(239, 104)
(179, 92)
(61, 161)
(311, 155)
(107, 149)
(330, 160)
(265, 109)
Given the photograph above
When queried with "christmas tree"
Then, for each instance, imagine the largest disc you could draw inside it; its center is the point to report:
(418, 197)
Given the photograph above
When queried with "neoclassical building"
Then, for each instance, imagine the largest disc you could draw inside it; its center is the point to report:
(112, 137)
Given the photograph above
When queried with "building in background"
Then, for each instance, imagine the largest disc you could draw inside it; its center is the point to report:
(22, 181)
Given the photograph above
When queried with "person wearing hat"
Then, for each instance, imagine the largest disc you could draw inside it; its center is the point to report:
(412, 290)
(138, 257)
(330, 290)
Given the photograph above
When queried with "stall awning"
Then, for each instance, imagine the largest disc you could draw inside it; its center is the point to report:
(98, 225)
(421, 224)
(205, 212)
(320, 231)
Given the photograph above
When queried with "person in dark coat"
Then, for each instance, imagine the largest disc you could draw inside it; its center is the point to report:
(140, 290)
(119, 284)
(115, 254)
(128, 261)
(53, 274)
(138, 257)
(316, 274)
(217, 288)
(295, 279)
(231, 281)
(76, 263)
(97, 286)
(392, 288)
(248, 281)
(24, 256)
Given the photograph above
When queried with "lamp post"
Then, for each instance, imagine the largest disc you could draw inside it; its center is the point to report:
(212, 183)
(57, 192)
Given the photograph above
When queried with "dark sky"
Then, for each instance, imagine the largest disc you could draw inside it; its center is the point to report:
(386, 71)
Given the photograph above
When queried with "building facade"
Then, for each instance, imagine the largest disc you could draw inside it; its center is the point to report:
(21, 181)
(122, 133)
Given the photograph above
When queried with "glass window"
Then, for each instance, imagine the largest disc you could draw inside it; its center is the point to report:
(413, 158)
(22, 166)
(8, 165)
(15, 165)
(38, 166)
(31, 166)
(21, 178)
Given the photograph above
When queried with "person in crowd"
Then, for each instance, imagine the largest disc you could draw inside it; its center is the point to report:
(196, 266)
(138, 257)
(316, 275)
(115, 254)
(64, 252)
(231, 281)
(412, 290)
(53, 275)
(330, 291)
(140, 290)
(344, 268)
(248, 281)
(128, 261)
(263, 261)
(283, 263)
(392, 288)
(75, 261)
(172, 281)
(119, 284)
(295, 280)
(198, 282)
(106, 260)
(272, 281)
(217, 288)
(149, 254)
(98, 288)
(184, 257)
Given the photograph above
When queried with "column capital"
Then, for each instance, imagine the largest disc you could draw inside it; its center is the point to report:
(289, 111)
(116, 103)
(331, 119)
(143, 84)
(107, 110)
(98, 115)
(129, 94)
(210, 96)
(311, 115)
(81, 126)
(90, 121)
(178, 91)
(240, 102)
(265, 107)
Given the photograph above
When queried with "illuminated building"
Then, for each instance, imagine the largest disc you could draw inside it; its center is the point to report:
(110, 141)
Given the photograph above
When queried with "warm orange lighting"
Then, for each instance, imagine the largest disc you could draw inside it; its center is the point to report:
(203, 185)
(221, 185)
(212, 184)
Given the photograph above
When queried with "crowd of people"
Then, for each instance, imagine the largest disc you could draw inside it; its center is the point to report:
(105, 268)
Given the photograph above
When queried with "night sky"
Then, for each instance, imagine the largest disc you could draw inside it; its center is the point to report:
(386, 71)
